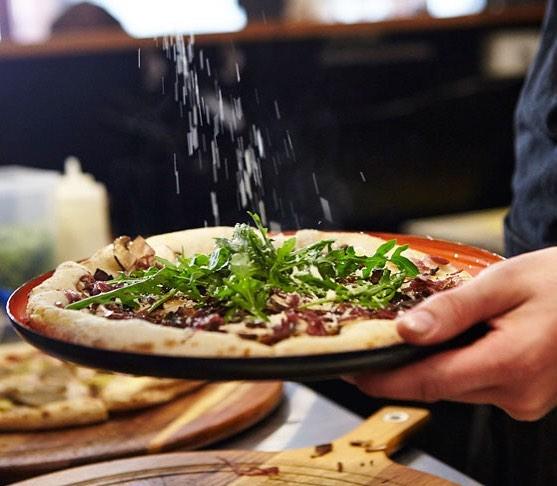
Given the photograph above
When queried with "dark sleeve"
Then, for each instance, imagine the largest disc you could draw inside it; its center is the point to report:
(532, 220)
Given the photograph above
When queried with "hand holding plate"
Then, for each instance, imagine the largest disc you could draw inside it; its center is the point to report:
(513, 367)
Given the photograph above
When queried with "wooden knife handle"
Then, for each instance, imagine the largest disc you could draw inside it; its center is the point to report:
(386, 430)
(361, 456)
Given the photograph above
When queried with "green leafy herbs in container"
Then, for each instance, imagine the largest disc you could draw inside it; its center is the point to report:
(25, 252)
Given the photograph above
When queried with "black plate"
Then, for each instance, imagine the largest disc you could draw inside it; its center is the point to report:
(293, 368)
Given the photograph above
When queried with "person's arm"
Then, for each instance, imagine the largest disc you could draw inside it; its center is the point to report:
(513, 367)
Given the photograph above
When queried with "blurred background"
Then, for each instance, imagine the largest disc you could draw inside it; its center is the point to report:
(393, 115)
(389, 110)
(373, 112)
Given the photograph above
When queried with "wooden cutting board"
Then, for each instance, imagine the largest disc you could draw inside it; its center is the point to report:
(214, 412)
(358, 458)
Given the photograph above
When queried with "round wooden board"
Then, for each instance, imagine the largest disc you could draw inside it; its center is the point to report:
(214, 412)
(233, 468)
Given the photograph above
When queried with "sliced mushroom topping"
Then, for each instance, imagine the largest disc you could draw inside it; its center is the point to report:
(122, 254)
(145, 255)
(133, 254)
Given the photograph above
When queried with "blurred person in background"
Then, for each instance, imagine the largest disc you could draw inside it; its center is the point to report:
(514, 367)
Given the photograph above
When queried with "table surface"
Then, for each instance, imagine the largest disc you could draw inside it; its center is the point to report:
(305, 418)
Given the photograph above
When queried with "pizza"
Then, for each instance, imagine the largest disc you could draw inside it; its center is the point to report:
(40, 392)
(239, 292)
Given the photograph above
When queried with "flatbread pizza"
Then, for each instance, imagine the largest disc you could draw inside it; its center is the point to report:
(39, 392)
(239, 292)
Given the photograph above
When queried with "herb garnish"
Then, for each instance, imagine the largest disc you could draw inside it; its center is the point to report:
(243, 271)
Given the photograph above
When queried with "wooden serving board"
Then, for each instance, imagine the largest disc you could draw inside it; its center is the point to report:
(358, 458)
(211, 413)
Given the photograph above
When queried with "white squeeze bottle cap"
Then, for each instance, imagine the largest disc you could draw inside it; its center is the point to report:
(81, 214)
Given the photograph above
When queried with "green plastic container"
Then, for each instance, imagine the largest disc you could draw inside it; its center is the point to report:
(27, 224)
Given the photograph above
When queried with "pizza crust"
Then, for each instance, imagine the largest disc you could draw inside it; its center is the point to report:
(82, 395)
(141, 336)
(122, 394)
(54, 415)
(355, 336)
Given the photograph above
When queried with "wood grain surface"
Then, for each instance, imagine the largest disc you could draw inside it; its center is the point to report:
(358, 458)
(214, 412)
